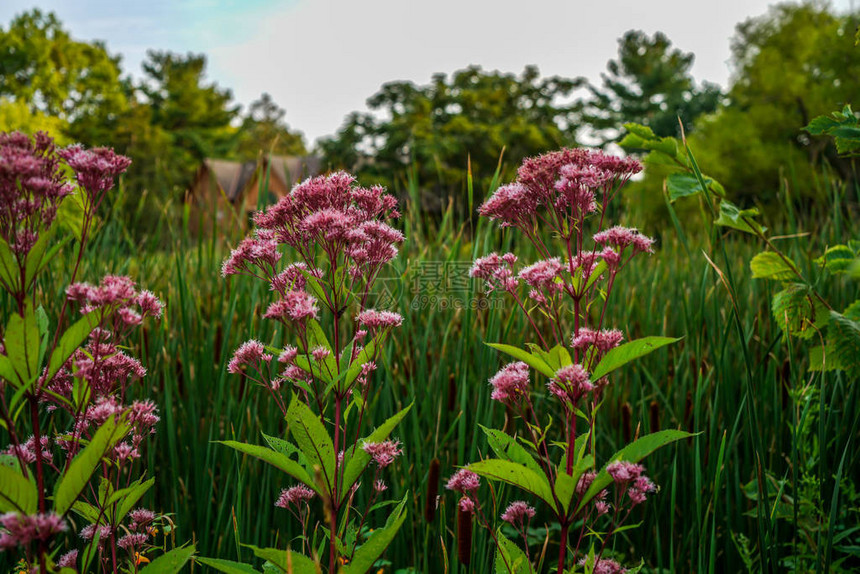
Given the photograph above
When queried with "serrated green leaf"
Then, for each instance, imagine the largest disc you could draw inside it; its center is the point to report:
(372, 549)
(843, 335)
(506, 447)
(87, 511)
(276, 459)
(312, 438)
(798, 312)
(623, 354)
(172, 562)
(530, 359)
(355, 462)
(515, 474)
(769, 265)
(509, 558)
(680, 185)
(824, 359)
(633, 452)
(740, 219)
(22, 343)
(837, 259)
(76, 477)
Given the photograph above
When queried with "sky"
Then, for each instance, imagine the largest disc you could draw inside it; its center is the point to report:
(322, 59)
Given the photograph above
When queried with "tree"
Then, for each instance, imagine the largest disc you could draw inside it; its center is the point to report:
(54, 75)
(263, 129)
(436, 128)
(650, 84)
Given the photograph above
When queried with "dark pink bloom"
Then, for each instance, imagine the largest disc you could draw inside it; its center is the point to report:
(22, 529)
(252, 251)
(295, 496)
(68, 560)
(570, 383)
(295, 306)
(511, 382)
(383, 453)
(584, 482)
(496, 270)
(380, 486)
(131, 542)
(375, 320)
(95, 169)
(250, 353)
(518, 513)
(467, 505)
(622, 471)
(511, 204)
(288, 355)
(464, 481)
(605, 566)
(604, 340)
(543, 274)
(621, 237)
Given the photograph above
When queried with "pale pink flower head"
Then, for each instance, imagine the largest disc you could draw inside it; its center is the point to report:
(605, 566)
(511, 382)
(518, 513)
(320, 353)
(621, 237)
(252, 251)
(288, 355)
(570, 383)
(496, 270)
(249, 354)
(641, 487)
(375, 320)
(95, 169)
(295, 496)
(543, 275)
(131, 542)
(383, 453)
(22, 529)
(511, 204)
(464, 481)
(68, 560)
(584, 482)
(295, 306)
(293, 277)
(623, 472)
(467, 505)
(604, 340)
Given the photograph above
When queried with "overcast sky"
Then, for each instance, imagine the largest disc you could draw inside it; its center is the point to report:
(321, 59)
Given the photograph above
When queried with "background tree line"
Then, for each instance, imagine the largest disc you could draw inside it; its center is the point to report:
(794, 63)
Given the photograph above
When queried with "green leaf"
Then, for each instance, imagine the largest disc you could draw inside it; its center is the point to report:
(506, 447)
(75, 478)
(355, 463)
(9, 273)
(509, 558)
(516, 474)
(837, 259)
(285, 560)
(372, 549)
(7, 370)
(129, 497)
(171, 562)
(46, 259)
(22, 344)
(741, 219)
(843, 335)
(17, 494)
(317, 338)
(227, 566)
(312, 438)
(633, 452)
(365, 355)
(565, 484)
(276, 459)
(824, 359)
(530, 359)
(73, 338)
(769, 265)
(87, 511)
(684, 184)
(623, 354)
(70, 214)
(798, 311)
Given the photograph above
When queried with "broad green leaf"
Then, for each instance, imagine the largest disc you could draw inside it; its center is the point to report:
(287, 449)
(837, 259)
(509, 558)
(506, 447)
(70, 214)
(87, 511)
(17, 494)
(129, 497)
(843, 335)
(75, 478)
(22, 343)
(684, 184)
(372, 549)
(9, 273)
(355, 463)
(73, 338)
(623, 354)
(798, 311)
(312, 438)
(7, 371)
(33, 260)
(172, 562)
(285, 560)
(227, 566)
(824, 359)
(769, 265)
(741, 219)
(317, 338)
(530, 359)
(280, 461)
(46, 259)
(516, 474)
(633, 452)
(565, 484)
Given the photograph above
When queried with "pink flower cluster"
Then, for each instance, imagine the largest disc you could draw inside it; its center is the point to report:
(511, 383)
(250, 354)
(32, 185)
(464, 481)
(497, 271)
(603, 340)
(95, 169)
(383, 453)
(22, 529)
(570, 384)
(377, 320)
(518, 513)
(628, 478)
(605, 566)
(294, 496)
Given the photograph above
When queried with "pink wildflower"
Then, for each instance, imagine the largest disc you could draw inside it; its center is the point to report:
(131, 542)
(464, 481)
(295, 496)
(621, 237)
(250, 353)
(383, 453)
(21, 529)
(518, 513)
(543, 274)
(570, 383)
(375, 320)
(295, 306)
(623, 472)
(511, 204)
(605, 566)
(511, 382)
(604, 340)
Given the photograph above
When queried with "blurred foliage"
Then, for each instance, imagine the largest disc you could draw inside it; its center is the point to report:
(649, 84)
